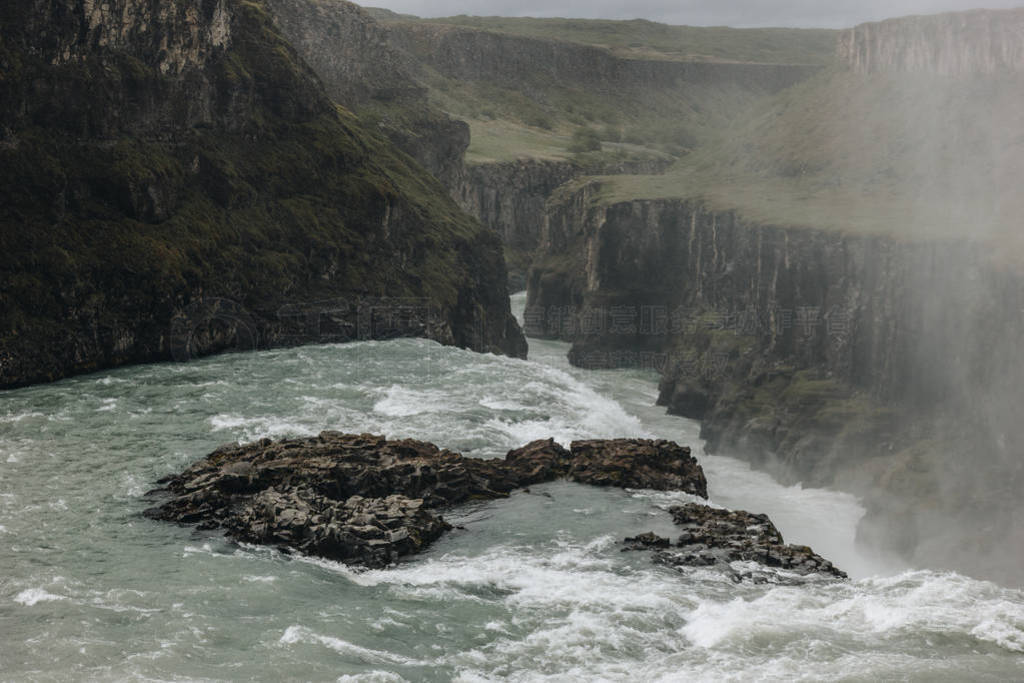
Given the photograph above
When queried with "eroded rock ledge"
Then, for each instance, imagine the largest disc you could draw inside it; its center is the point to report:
(713, 536)
(361, 499)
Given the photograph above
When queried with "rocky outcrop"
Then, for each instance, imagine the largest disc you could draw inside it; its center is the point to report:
(173, 37)
(716, 537)
(829, 358)
(53, 53)
(954, 44)
(175, 182)
(511, 197)
(365, 500)
(638, 464)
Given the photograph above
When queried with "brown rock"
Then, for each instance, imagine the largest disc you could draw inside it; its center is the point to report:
(637, 463)
(362, 499)
(713, 536)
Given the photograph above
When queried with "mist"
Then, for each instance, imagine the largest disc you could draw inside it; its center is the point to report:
(737, 13)
(916, 141)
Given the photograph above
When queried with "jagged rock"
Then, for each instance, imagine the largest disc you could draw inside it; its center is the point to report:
(373, 532)
(362, 499)
(539, 461)
(638, 464)
(646, 541)
(713, 536)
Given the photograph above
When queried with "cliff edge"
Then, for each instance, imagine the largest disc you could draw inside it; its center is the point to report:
(175, 182)
(955, 44)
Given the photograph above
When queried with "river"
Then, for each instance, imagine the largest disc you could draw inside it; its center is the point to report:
(533, 588)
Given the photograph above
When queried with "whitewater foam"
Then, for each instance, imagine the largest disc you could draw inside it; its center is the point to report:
(33, 596)
(533, 587)
(300, 634)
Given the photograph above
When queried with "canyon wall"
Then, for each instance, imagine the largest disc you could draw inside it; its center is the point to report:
(885, 366)
(511, 198)
(359, 68)
(175, 181)
(477, 55)
(955, 44)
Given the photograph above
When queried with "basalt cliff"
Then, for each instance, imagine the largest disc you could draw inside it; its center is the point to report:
(879, 358)
(964, 43)
(176, 181)
(401, 74)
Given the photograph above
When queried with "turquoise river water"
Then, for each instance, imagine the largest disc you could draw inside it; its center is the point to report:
(533, 588)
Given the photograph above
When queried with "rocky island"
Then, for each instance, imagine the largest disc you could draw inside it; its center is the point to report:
(368, 501)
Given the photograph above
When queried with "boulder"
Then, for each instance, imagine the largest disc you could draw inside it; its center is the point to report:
(637, 464)
(716, 537)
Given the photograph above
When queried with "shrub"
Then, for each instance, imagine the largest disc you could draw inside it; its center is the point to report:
(584, 140)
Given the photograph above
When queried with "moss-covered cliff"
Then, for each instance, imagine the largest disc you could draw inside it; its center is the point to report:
(350, 53)
(175, 181)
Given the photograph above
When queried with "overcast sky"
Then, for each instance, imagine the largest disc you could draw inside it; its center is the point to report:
(745, 13)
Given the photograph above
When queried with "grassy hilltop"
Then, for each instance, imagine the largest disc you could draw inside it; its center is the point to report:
(534, 112)
(914, 154)
(917, 154)
(644, 39)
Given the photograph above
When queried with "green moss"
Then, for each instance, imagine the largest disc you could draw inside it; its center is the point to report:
(806, 388)
(297, 200)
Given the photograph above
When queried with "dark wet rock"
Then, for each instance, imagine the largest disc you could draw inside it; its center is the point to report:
(716, 537)
(362, 499)
(365, 500)
(372, 532)
(646, 541)
(539, 461)
(638, 464)
(627, 463)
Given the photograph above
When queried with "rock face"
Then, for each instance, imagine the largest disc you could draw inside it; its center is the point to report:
(176, 182)
(954, 44)
(350, 53)
(365, 500)
(827, 357)
(719, 537)
(510, 197)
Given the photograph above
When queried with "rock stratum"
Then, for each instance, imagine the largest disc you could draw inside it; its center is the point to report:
(834, 289)
(350, 53)
(176, 181)
(364, 500)
(955, 44)
(836, 359)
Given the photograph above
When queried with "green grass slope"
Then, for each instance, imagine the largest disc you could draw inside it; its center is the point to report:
(913, 155)
(644, 39)
(527, 86)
